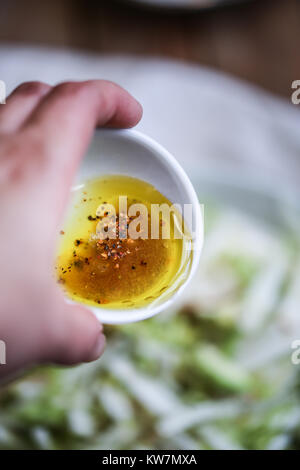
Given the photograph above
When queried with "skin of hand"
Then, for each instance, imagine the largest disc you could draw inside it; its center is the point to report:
(44, 133)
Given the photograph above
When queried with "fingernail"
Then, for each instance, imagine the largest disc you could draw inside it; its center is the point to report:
(98, 348)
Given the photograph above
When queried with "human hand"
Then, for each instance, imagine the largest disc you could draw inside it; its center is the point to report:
(44, 132)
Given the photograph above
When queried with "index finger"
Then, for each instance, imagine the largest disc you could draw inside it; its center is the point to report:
(65, 119)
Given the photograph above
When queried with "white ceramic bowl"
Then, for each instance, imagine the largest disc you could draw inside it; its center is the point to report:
(127, 152)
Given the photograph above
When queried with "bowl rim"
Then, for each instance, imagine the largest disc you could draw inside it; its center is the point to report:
(121, 316)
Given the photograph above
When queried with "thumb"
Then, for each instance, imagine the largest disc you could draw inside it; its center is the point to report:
(76, 336)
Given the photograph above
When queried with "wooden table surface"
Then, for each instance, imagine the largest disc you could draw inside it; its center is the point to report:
(258, 41)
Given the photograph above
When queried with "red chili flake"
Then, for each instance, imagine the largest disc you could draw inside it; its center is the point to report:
(62, 232)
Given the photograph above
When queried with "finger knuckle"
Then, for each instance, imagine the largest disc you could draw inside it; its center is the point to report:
(32, 88)
(77, 89)
(71, 89)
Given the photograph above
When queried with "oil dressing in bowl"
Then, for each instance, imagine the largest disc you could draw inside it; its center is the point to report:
(115, 256)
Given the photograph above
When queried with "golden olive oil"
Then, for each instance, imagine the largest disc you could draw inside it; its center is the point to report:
(118, 272)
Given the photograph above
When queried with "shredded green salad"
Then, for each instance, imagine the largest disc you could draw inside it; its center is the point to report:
(213, 373)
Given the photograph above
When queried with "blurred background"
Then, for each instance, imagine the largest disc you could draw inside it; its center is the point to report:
(254, 40)
(214, 78)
